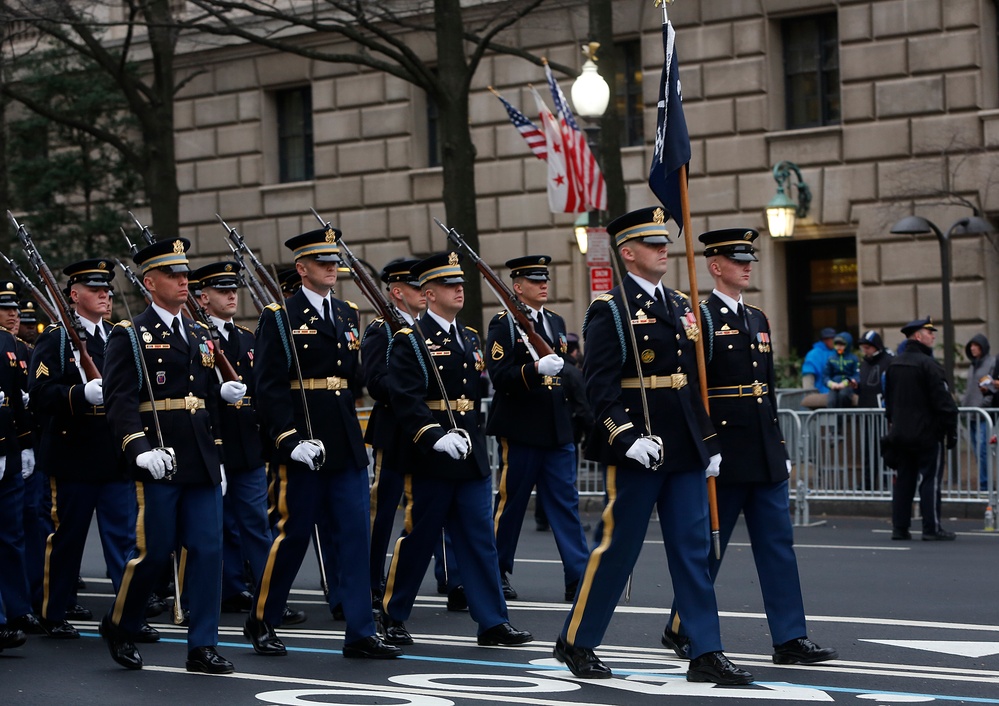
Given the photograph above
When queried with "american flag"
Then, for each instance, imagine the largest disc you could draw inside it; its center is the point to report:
(583, 165)
(532, 135)
(563, 196)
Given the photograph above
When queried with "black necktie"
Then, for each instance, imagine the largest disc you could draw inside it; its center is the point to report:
(540, 326)
(453, 332)
(326, 311)
(232, 340)
(179, 333)
(742, 315)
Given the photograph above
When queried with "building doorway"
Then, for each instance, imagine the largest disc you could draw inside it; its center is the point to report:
(821, 289)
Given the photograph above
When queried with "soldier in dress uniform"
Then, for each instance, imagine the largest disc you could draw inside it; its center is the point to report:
(74, 419)
(28, 329)
(448, 482)
(665, 332)
(742, 396)
(180, 494)
(531, 419)
(324, 332)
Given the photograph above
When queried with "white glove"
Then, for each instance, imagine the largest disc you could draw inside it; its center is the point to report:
(453, 444)
(93, 392)
(3, 396)
(645, 451)
(232, 391)
(550, 365)
(3, 462)
(788, 462)
(27, 463)
(157, 462)
(24, 398)
(714, 466)
(306, 452)
(225, 481)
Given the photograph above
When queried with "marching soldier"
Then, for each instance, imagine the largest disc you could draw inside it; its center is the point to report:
(28, 328)
(531, 419)
(303, 390)
(165, 362)
(753, 481)
(632, 444)
(448, 481)
(74, 419)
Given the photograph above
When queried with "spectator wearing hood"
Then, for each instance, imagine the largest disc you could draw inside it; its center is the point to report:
(842, 372)
(979, 393)
(814, 366)
(877, 358)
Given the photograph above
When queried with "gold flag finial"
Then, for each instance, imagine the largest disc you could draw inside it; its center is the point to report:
(657, 3)
(590, 51)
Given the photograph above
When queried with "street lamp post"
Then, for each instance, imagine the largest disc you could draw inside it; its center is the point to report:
(590, 96)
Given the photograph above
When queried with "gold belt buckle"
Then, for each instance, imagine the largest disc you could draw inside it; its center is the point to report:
(464, 405)
(548, 380)
(678, 380)
(191, 404)
(757, 389)
(333, 383)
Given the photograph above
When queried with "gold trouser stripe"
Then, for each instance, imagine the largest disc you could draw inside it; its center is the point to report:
(46, 582)
(594, 561)
(181, 566)
(140, 545)
(397, 549)
(271, 490)
(281, 501)
(674, 624)
(504, 464)
(379, 456)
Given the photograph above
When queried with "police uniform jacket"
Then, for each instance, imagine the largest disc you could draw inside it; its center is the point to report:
(241, 444)
(528, 407)
(677, 414)
(415, 390)
(918, 404)
(382, 431)
(742, 394)
(76, 442)
(14, 424)
(328, 355)
(182, 375)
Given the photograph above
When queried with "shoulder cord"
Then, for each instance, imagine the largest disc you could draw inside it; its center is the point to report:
(136, 353)
(709, 344)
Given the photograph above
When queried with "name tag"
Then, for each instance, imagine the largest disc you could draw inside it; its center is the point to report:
(300, 331)
(157, 345)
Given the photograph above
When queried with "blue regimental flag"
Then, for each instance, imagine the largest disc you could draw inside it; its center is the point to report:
(672, 148)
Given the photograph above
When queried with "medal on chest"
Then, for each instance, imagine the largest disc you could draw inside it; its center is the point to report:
(207, 349)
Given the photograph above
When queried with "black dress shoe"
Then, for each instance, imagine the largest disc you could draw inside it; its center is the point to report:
(680, 644)
(242, 602)
(9, 637)
(395, 632)
(81, 585)
(209, 661)
(59, 629)
(27, 623)
(570, 591)
(939, 536)
(371, 647)
(581, 661)
(456, 600)
(337, 612)
(122, 649)
(265, 640)
(508, 592)
(147, 634)
(292, 617)
(504, 634)
(900, 533)
(715, 667)
(802, 651)
(78, 612)
(155, 606)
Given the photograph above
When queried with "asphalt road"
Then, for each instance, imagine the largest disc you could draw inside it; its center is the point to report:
(914, 622)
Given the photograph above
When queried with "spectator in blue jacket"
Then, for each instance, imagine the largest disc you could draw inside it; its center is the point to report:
(842, 372)
(814, 367)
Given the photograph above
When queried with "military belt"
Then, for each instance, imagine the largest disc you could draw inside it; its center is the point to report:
(757, 389)
(551, 380)
(6, 402)
(190, 404)
(657, 382)
(239, 403)
(331, 383)
(462, 405)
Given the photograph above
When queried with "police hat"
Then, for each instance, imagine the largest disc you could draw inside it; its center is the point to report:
(400, 270)
(533, 267)
(9, 292)
(28, 315)
(645, 224)
(169, 255)
(913, 326)
(734, 243)
(442, 268)
(320, 244)
(218, 275)
(289, 281)
(92, 273)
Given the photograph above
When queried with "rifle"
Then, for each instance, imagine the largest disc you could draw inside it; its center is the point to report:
(369, 288)
(43, 302)
(536, 345)
(66, 315)
(268, 281)
(134, 279)
(250, 282)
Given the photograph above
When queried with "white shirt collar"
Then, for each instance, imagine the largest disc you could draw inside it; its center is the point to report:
(648, 287)
(316, 300)
(90, 326)
(166, 316)
(728, 301)
(220, 325)
(405, 315)
(444, 323)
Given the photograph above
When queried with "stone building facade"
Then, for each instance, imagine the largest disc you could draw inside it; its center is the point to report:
(917, 131)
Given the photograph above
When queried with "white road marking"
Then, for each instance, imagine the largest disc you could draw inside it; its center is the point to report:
(961, 649)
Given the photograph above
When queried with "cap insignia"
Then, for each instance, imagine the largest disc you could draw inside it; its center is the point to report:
(178, 247)
(228, 268)
(330, 236)
(452, 259)
(748, 235)
(658, 216)
(102, 265)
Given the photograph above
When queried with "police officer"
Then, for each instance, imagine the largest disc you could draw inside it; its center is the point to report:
(448, 483)
(180, 493)
(74, 420)
(247, 537)
(922, 420)
(753, 478)
(324, 332)
(666, 332)
(532, 421)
